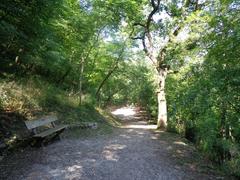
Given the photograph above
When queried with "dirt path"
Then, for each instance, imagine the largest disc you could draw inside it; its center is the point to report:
(133, 152)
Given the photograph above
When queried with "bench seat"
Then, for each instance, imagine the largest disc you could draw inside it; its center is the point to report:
(50, 131)
(44, 127)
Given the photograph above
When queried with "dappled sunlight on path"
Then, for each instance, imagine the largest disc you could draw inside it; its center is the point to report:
(125, 111)
(132, 118)
(139, 126)
(136, 150)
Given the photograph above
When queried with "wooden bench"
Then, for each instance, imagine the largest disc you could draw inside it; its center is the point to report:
(44, 127)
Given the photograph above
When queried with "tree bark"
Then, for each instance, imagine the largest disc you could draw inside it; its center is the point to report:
(80, 81)
(162, 103)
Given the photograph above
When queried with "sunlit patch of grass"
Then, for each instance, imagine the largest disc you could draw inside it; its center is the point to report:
(109, 118)
(18, 98)
(106, 123)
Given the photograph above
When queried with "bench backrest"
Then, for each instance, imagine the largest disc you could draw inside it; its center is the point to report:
(40, 122)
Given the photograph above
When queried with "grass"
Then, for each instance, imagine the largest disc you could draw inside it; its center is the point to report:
(106, 123)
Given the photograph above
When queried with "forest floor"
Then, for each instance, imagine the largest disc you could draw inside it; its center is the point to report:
(133, 151)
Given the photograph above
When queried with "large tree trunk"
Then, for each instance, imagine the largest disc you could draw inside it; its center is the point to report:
(162, 103)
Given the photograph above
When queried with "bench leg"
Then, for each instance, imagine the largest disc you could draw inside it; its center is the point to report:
(39, 142)
(57, 135)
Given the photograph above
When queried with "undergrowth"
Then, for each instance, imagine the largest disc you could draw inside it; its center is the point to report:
(33, 98)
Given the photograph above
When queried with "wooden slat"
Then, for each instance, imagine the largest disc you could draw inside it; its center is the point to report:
(40, 122)
(50, 131)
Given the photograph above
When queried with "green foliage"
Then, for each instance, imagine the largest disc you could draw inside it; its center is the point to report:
(204, 96)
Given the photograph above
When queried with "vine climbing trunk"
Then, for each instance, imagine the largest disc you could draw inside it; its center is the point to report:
(162, 103)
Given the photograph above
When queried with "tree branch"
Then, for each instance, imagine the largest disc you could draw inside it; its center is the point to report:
(139, 37)
(148, 51)
(154, 5)
(139, 24)
(110, 72)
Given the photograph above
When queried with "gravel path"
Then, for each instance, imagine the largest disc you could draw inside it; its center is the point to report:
(133, 152)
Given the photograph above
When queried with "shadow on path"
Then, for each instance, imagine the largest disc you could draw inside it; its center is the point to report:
(136, 151)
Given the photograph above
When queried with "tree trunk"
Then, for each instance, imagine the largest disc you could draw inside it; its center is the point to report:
(162, 103)
(61, 80)
(110, 72)
(80, 82)
(104, 80)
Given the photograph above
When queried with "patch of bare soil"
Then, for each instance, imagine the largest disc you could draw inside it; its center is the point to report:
(134, 151)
